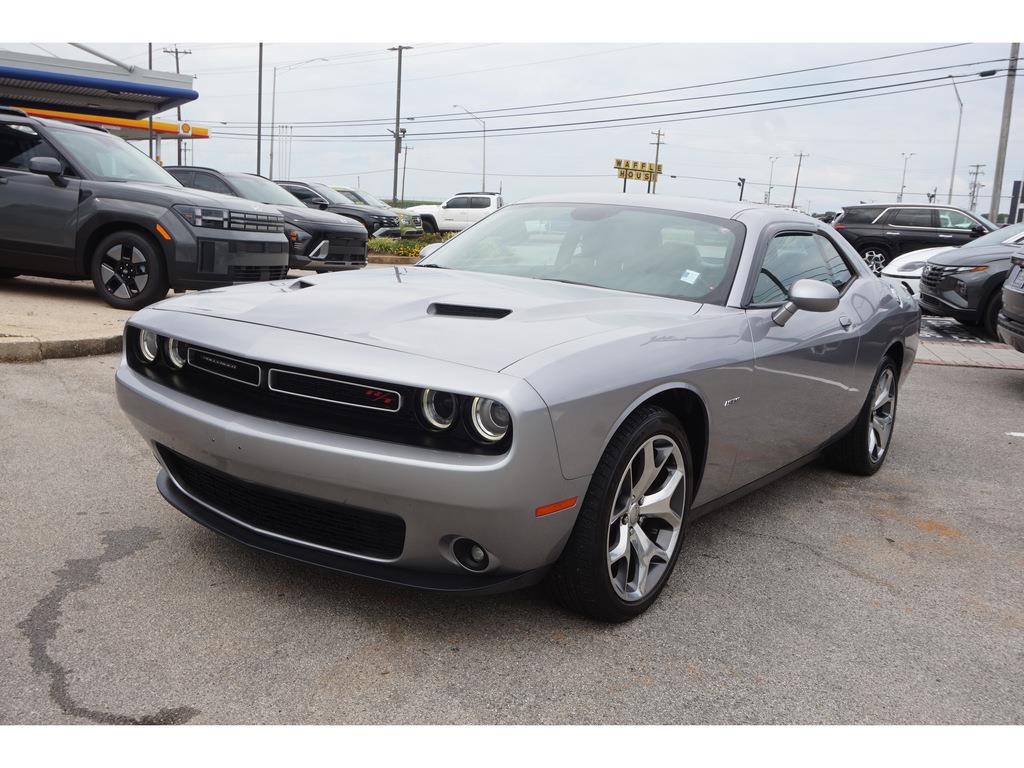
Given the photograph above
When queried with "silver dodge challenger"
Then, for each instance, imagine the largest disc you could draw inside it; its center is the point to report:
(556, 393)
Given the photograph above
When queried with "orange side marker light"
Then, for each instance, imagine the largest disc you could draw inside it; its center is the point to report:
(163, 232)
(558, 506)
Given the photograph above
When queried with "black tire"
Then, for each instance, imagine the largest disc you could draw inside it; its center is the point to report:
(853, 453)
(875, 256)
(429, 227)
(128, 270)
(7, 274)
(990, 318)
(581, 579)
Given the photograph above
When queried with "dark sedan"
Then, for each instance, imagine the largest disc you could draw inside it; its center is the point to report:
(966, 283)
(317, 240)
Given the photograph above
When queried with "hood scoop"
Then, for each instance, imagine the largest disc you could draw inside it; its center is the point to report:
(465, 310)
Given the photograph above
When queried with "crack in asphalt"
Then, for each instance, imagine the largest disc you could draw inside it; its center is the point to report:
(42, 623)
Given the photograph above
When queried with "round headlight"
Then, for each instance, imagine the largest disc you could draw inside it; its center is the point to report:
(439, 408)
(149, 344)
(490, 419)
(175, 354)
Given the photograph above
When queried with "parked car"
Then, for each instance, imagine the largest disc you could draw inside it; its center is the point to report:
(410, 223)
(905, 271)
(520, 405)
(377, 223)
(880, 233)
(458, 212)
(317, 240)
(1011, 320)
(966, 283)
(78, 203)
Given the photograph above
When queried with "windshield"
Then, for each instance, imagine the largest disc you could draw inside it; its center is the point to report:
(111, 159)
(261, 190)
(1014, 231)
(351, 195)
(662, 253)
(371, 200)
(332, 195)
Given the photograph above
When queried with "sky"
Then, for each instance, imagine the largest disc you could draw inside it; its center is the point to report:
(853, 148)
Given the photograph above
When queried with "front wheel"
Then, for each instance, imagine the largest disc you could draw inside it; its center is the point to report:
(128, 271)
(630, 528)
(991, 317)
(429, 227)
(864, 448)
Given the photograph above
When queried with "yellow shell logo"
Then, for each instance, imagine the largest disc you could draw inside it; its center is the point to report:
(186, 128)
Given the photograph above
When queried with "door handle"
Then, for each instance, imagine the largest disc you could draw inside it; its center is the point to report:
(892, 233)
(945, 235)
(845, 322)
(3, 179)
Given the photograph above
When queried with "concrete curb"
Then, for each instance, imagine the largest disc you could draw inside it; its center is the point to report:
(21, 349)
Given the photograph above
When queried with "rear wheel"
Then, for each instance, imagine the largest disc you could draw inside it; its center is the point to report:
(876, 257)
(128, 271)
(630, 528)
(864, 448)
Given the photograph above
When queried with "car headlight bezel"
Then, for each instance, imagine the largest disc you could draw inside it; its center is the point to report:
(490, 420)
(176, 353)
(201, 216)
(149, 346)
(433, 406)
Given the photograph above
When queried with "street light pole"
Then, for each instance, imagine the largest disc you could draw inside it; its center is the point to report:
(800, 161)
(1004, 133)
(273, 104)
(405, 161)
(259, 113)
(771, 174)
(956, 144)
(398, 118)
(483, 175)
(903, 181)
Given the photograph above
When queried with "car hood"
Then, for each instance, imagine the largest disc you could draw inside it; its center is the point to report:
(165, 194)
(436, 313)
(978, 255)
(301, 215)
(898, 265)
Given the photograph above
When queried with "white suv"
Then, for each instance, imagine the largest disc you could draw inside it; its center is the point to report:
(457, 212)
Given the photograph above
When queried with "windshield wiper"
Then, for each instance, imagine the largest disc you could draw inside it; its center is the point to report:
(431, 266)
(563, 280)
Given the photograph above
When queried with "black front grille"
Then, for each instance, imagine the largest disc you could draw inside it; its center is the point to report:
(253, 274)
(347, 249)
(934, 274)
(303, 518)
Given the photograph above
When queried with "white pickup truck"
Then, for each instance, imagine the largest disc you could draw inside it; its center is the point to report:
(457, 212)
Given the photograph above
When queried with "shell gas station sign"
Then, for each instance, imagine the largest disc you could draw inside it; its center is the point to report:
(637, 170)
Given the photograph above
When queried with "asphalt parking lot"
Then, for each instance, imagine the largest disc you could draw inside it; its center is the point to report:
(821, 599)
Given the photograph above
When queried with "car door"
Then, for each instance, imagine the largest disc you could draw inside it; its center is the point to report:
(479, 207)
(453, 213)
(910, 229)
(956, 227)
(38, 217)
(804, 380)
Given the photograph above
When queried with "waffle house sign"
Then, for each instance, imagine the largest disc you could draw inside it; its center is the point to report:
(637, 170)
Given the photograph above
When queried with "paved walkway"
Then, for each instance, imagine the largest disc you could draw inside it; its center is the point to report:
(969, 354)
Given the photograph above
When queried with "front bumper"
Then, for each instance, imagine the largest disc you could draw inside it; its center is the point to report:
(387, 232)
(439, 495)
(934, 305)
(1011, 331)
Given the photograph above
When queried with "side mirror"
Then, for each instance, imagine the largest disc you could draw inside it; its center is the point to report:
(977, 229)
(48, 166)
(810, 296)
(428, 249)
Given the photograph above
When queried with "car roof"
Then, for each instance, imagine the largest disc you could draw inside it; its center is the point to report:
(722, 209)
(904, 205)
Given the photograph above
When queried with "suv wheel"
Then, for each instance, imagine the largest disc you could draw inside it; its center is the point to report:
(990, 320)
(876, 258)
(629, 531)
(128, 271)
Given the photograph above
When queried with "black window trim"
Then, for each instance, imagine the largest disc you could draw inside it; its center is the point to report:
(777, 230)
(54, 145)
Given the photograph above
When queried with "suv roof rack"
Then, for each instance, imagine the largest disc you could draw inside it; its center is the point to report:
(12, 111)
(476, 192)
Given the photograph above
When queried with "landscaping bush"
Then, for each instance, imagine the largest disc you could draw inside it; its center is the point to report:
(392, 246)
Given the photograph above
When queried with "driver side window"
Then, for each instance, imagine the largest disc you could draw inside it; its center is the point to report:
(788, 258)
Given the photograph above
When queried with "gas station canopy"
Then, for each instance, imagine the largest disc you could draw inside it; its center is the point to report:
(130, 130)
(47, 82)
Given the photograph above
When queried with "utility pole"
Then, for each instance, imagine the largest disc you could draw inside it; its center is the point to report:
(956, 144)
(653, 188)
(259, 113)
(1004, 133)
(151, 116)
(405, 161)
(771, 173)
(975, 184)
(741, 184)
(398, 117)
(177, 53)
(903, 181)
(483, 172)
(800, 160)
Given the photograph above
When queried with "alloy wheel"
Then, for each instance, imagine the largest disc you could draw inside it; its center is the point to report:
(875, 260)
(646, 518)
(883, 412)
(124, 270)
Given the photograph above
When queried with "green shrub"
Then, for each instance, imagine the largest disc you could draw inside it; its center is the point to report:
(407, 247)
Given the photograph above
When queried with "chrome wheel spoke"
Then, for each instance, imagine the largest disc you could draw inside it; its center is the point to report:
(883, 411)
(658, 505)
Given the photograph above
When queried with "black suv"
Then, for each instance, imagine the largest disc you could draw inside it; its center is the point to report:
(77, 202)
(318, 240)
(378, 223)
(880, 233)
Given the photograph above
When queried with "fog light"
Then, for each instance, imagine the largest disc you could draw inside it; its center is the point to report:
(470, 554)
(149, 343)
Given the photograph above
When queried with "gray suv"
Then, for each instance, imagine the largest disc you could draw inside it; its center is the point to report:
(78, 203)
